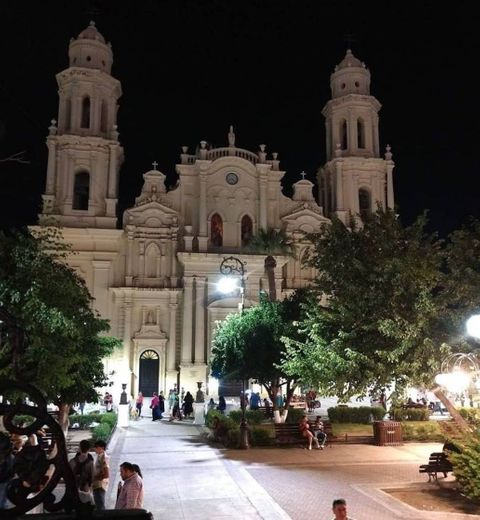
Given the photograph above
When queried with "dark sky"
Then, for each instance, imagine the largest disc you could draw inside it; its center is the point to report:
(189, 69)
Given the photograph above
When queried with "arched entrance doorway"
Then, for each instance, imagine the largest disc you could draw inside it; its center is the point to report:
(149, 371)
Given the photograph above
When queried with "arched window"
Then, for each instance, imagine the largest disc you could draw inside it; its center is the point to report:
(247, 230)
(85, 122)
(216, 231)
(81, 190)
(68, 113)
(360, 133)
(152, 261)
(343, 135)
(364, 202)
(103, 117)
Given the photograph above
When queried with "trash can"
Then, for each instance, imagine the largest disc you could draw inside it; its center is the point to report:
(387, 433)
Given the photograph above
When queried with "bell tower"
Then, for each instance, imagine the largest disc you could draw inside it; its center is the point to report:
(355, 179)
(84, 154)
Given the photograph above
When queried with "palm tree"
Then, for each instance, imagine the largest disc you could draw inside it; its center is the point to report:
(271, 242)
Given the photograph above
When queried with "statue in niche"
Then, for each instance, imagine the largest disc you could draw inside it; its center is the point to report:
(150, 318)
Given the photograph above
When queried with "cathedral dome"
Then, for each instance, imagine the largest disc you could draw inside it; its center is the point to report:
(90, 51)
(349, 61)
(91, 33)
(351, 76)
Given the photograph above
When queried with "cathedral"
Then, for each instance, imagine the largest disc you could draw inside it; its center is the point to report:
(154, 272)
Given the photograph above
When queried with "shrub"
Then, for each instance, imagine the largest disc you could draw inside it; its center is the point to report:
(101, 432)
(410, 414)
(84, 421)
(294, 415)
(466, 468)
(232, 438)
(252, 416)
(20, 420)
(426, 431)
(472, 415)
(357, 414)
(109, 418)
(260, 437)
(210, 417)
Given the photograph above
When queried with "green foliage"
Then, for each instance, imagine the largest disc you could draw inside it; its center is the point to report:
(294, 415)
(21, 419)
(422, 431)
(270, 242)
(232, 438)
(357, 414)
(472, 415)
(108, 418)
(466, 468)
(260, 437)
(410, 414)
(84, 421)
(381, 312)
(64, 346)
(210, 417)
(101, 432)
(252, 416)
(250, 345)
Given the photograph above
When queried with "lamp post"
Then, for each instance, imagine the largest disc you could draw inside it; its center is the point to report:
(234, 266)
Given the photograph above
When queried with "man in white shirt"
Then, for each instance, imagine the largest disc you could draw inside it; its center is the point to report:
(339, 508)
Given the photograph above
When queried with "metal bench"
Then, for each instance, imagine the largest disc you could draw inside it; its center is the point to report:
(437, 463)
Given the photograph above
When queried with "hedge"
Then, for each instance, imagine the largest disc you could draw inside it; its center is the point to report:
(358, 414)
(260, 437)
(101, 432)
(422, 431)
(472, 415)
(466, 467)
(410, 414)
(252, 416)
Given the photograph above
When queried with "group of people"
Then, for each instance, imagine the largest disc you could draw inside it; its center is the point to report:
(178, 405)
(314, 434)
(92, 477)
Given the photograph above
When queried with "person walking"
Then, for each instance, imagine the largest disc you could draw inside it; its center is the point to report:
(222, 405)
(188, 404)
(101, 474)
(154, 406)
(130, 494)
(339, 508)
(139, 404)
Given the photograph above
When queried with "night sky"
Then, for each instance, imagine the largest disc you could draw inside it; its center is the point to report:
(189, 69)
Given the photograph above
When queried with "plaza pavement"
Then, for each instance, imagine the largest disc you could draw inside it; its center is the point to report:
(186, 478)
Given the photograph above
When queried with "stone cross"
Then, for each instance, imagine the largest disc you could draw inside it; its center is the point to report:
(154, 164)
(303, 174)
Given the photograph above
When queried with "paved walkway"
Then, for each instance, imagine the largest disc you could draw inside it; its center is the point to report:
(186, 478)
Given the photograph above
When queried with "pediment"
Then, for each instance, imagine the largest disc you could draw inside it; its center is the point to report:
(151, 214)
(150, 331)
(305, 218)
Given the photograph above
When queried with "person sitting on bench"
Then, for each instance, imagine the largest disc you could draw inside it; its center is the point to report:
(319, 433)
(304, 428)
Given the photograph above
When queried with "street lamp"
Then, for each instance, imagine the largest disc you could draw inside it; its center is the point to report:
(234, 266)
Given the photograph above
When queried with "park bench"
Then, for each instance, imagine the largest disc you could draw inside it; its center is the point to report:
(437, 463)
(264, 410)
(286, 433)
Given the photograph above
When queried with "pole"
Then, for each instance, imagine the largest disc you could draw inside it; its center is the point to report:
(243, 424)
(231, 265)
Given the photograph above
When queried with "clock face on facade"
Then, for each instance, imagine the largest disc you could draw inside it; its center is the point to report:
(232, 178)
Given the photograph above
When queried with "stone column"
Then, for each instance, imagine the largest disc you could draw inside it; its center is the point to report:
(173, 276)
(390, 194)
(202, 214)
(127, 336)
(172, 343)
(52, 160)
(339, 186)
(200, 282)
(129, 273)
(141, 258)
(263, 200)
(186, 353)
(101, 272)
(112, 172)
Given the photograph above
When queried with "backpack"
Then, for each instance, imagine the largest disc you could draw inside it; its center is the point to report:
(81, 477)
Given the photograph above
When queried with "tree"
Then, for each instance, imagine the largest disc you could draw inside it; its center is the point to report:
(271, 242)
(249, 345)
(381, 314)
(64, 342)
